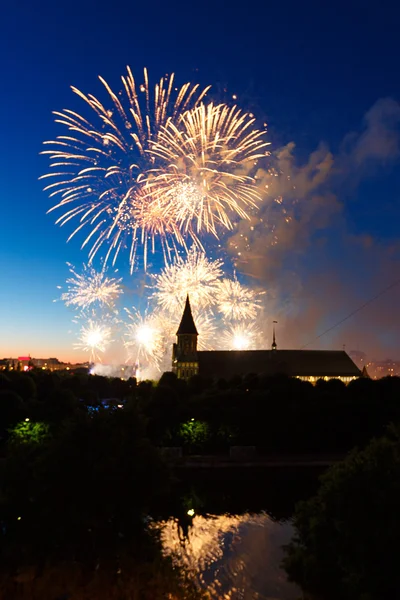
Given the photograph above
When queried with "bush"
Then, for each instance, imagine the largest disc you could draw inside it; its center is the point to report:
(29, 432)
(194, 434)
(348, 534)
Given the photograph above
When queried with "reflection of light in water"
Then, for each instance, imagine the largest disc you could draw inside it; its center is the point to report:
(234, 557)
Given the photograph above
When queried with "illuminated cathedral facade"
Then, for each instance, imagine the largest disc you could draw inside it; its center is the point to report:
(309, 365)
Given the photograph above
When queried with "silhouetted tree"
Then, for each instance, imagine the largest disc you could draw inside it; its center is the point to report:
(347, 535)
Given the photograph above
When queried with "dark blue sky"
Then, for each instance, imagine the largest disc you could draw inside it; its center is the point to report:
(312, 70)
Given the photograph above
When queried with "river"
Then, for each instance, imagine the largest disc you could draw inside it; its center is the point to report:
(230, 528)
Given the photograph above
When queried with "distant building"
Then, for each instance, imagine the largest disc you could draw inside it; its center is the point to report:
(309, 365)
(383, 368)
(376, 369)
(25, 363)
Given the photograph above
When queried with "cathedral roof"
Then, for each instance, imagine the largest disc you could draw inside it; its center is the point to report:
(365, 372)
(187, 325)
(306, 363)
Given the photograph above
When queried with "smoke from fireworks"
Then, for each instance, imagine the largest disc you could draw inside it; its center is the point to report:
(155, 164)
(91, 287)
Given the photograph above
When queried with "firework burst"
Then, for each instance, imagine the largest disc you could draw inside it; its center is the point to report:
(91, 288)
(144, 339)
(208, 156)
(235, 301)
(99, 166)
(195, 275)
(94, 338)
(241, 337)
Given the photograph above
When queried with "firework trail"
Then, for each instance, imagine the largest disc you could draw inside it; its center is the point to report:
(195, 275)
(91, 288)
(235, 301)
(100, 166)
(94, 338)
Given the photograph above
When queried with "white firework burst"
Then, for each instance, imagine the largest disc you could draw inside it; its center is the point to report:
(94, 338)
(144, 338)
(195, 275)
(90, 288)
(242, 336)
(235, 301)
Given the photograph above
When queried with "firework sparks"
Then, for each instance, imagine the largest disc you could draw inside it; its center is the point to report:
(99, 167)
(144, 339)
(155, 164)
(206, 326)
(94, 338)
(195, 275)
(209, 155)
(242, 337)
(235, 301)
(90, 288)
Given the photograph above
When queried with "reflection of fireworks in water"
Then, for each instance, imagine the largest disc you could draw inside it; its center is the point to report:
(243, 336)
(144, 338)
(208, 153)
(236, 301)
(94, 338)
(91, 287)
(100, 168)
(195, 275)
(233, 556)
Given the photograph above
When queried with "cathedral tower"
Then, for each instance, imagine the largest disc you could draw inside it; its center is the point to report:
(184, 353)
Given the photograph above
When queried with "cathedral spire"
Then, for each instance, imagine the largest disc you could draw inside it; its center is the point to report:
(187, 325)
(274, 346)
(184, 354)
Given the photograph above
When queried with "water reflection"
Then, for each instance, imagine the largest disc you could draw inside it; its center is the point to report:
(233, 556)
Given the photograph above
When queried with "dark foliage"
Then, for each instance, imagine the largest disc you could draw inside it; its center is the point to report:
(277, 414)
(348, 534)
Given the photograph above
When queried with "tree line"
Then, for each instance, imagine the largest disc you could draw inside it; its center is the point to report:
(81, 472)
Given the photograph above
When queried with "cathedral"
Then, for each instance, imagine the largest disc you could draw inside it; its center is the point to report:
(309, 365)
